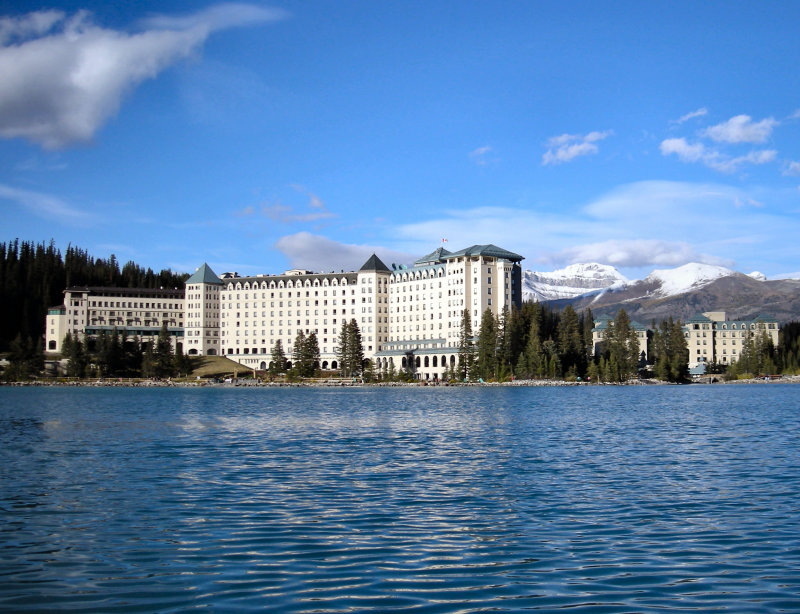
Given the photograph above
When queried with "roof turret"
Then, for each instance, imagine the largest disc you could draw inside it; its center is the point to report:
(204, 275)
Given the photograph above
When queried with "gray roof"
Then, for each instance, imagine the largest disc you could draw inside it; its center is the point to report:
(374, 264)
(204, 275)
(486, 250)
(437, 255)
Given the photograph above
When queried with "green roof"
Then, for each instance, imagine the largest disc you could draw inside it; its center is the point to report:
(374, 264)
(437, 255)
(487, 250)
(204, 275)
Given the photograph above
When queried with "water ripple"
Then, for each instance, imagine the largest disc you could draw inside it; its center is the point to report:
(429, 500)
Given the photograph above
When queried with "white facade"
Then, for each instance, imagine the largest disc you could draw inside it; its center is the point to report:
(712, 338)
(137, 312)
(428, 300)
(409, 317)
(202, 313)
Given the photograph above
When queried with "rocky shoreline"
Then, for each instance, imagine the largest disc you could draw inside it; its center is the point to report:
(337, 383)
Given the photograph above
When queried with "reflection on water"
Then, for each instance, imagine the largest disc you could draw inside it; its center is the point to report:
(437, 500)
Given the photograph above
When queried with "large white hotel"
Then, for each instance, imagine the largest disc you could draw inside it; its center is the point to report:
(409, 316)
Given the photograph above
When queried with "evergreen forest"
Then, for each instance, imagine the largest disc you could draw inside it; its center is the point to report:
(33, 277)
(533, 342)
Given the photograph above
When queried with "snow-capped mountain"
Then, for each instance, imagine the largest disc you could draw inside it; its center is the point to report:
(570, 282)
(681, 292)
(692, 276)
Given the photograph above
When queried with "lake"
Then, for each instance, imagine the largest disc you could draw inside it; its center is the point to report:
(596, 499)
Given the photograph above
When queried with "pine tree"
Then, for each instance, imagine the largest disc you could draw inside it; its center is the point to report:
(534, 355)
(353, 354)
(622, 346)
(26, 359)
(163, 363)
(76, 356)
(571, 347)
(486, 349)
(149, 362)
(309, 365)
(343, 350)
(466, 350)
(278, 359)
(297, 353)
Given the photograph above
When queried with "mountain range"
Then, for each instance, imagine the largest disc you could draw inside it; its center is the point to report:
(680, 292)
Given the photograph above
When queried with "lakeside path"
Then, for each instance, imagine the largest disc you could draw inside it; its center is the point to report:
(335, 383)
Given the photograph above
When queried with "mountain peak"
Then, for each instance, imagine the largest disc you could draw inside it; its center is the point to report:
(687, 277)
(571, 281)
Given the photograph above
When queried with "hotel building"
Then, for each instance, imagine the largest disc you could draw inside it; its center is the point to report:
(712, 338)
(409, 317)
(139, 312)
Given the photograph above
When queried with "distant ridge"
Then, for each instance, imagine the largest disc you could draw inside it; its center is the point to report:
(680, 292)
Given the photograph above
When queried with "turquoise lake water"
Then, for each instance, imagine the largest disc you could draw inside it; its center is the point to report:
(595, 499)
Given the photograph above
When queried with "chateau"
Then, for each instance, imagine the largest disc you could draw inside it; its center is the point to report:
(409, 317)
(710, 336)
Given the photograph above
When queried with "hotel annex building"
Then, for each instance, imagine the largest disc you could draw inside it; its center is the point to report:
(409, 316)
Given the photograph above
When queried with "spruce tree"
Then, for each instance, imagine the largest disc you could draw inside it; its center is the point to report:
(76, 359)
(355, 349)
(622, 346)
(310, 355)
(278, 359)
(343, 350)
(486, 348)
(297, 353)
(163, 354)
(466, 350)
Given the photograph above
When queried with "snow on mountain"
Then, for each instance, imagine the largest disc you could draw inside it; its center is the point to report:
(685, 278)
(577, 280)
(570, 282)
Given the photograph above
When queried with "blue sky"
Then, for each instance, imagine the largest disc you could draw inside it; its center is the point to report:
(262, 136)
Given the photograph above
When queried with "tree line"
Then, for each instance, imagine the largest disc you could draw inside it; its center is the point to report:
(536, 342)
(306, 355)
(33, 277)
(112, 354)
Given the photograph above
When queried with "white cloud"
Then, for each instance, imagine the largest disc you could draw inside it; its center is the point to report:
(63, 78)
(697, 152)
(286, 214)
(685, 151)
(731, 165)
(641, 224)
(638, 253)
(566, 147)
(32, 24)
(45, 205)
(317, 253)
(742, 129)
(691, 115)
(792, 169)
(481, 155)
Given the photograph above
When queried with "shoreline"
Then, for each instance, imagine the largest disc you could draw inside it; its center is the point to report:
(248, 383)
